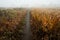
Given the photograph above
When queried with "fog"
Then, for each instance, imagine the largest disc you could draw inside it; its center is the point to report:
(29, 3)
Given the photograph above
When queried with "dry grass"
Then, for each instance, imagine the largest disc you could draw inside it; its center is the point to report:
(45, 20)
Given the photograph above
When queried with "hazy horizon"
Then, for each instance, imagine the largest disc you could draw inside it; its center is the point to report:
(29, 3)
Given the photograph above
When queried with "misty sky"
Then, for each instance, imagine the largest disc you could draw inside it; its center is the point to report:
(29, 3)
